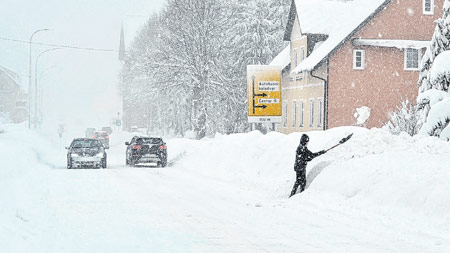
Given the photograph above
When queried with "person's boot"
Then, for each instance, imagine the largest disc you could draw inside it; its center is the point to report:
(292, 193)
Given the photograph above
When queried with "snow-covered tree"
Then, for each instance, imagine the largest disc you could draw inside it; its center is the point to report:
(187, 68)
(440, 42)
(434, 80)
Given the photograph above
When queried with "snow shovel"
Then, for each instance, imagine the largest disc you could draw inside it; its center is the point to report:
(341, 142)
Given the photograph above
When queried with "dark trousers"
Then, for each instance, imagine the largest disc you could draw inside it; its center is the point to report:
(299, 181)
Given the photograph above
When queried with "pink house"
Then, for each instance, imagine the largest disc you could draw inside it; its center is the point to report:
(358, 58)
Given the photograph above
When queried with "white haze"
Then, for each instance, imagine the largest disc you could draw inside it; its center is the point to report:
(78, 86)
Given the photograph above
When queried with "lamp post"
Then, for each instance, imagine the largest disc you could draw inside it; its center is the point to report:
(35, 83)
(29, 79)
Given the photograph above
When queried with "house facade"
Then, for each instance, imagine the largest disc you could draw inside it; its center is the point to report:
(13, 99)
(353, 62)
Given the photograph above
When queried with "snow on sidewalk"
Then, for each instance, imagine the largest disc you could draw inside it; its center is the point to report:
(375, 193)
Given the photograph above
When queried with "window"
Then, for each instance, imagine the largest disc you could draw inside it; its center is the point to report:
(319, 110)
(295, 57)
(311, 112)
(285, 113)
(294, 115)
(411, 59)
(302, 111)
(358, 59)
(302, 53)
(428, 7)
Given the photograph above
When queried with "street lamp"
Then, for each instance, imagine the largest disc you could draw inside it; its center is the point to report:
(29, 79)
(35, 83)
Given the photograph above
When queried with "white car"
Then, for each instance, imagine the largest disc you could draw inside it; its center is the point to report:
(85, 152)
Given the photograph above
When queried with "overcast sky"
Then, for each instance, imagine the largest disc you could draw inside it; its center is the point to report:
(80, 85)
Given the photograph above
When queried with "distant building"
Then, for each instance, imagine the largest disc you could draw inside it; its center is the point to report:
(131, 26)
(352, 62)
(13, 99)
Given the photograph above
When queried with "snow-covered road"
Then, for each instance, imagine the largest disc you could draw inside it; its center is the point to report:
(224, 195)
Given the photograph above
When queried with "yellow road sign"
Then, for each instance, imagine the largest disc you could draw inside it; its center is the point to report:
(264, 93)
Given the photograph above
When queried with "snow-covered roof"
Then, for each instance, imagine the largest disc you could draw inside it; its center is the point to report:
(283, 58)
(13, 76)
(336, 18)
(402, 44)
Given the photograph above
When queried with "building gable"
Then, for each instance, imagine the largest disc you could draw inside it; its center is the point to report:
(332, 18)
(296, 31)
(402, 20)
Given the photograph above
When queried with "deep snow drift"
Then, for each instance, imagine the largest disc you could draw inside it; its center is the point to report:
(375, 193)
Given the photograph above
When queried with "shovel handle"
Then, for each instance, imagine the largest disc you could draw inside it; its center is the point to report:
(332, 147)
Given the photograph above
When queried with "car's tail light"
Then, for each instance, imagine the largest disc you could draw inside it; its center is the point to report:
(137, 146)
(93, 137)
(162, 147)
(107, 137)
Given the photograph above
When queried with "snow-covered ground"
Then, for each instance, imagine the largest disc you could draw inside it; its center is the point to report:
(375, 193)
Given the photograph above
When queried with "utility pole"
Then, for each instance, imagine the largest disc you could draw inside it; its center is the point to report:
(30, 77)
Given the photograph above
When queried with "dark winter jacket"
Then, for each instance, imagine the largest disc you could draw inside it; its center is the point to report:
(303, 156)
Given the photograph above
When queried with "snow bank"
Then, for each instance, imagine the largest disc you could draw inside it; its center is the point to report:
(374, 183)
(374, 167)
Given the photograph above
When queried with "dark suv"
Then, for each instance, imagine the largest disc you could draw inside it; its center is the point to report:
(146, 150)
(85, 152)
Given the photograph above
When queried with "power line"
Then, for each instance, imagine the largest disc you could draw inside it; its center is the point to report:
(62, 46)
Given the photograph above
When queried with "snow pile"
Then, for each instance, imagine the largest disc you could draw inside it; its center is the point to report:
(362, 114)
(229, 194)
(25, 157)
(375, 168)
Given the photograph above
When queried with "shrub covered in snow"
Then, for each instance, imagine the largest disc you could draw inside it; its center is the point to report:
(404, 119)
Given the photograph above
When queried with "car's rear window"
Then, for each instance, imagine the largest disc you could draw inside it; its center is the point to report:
(86, 144)
(149, 140)
(101, 134)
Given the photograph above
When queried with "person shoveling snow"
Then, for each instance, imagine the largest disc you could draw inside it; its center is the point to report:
(303, 156)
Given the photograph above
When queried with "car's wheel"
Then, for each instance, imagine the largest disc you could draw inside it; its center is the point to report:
(163, 163)
(69, 163)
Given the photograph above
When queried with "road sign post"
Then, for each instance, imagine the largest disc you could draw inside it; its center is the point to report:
(264, 94)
